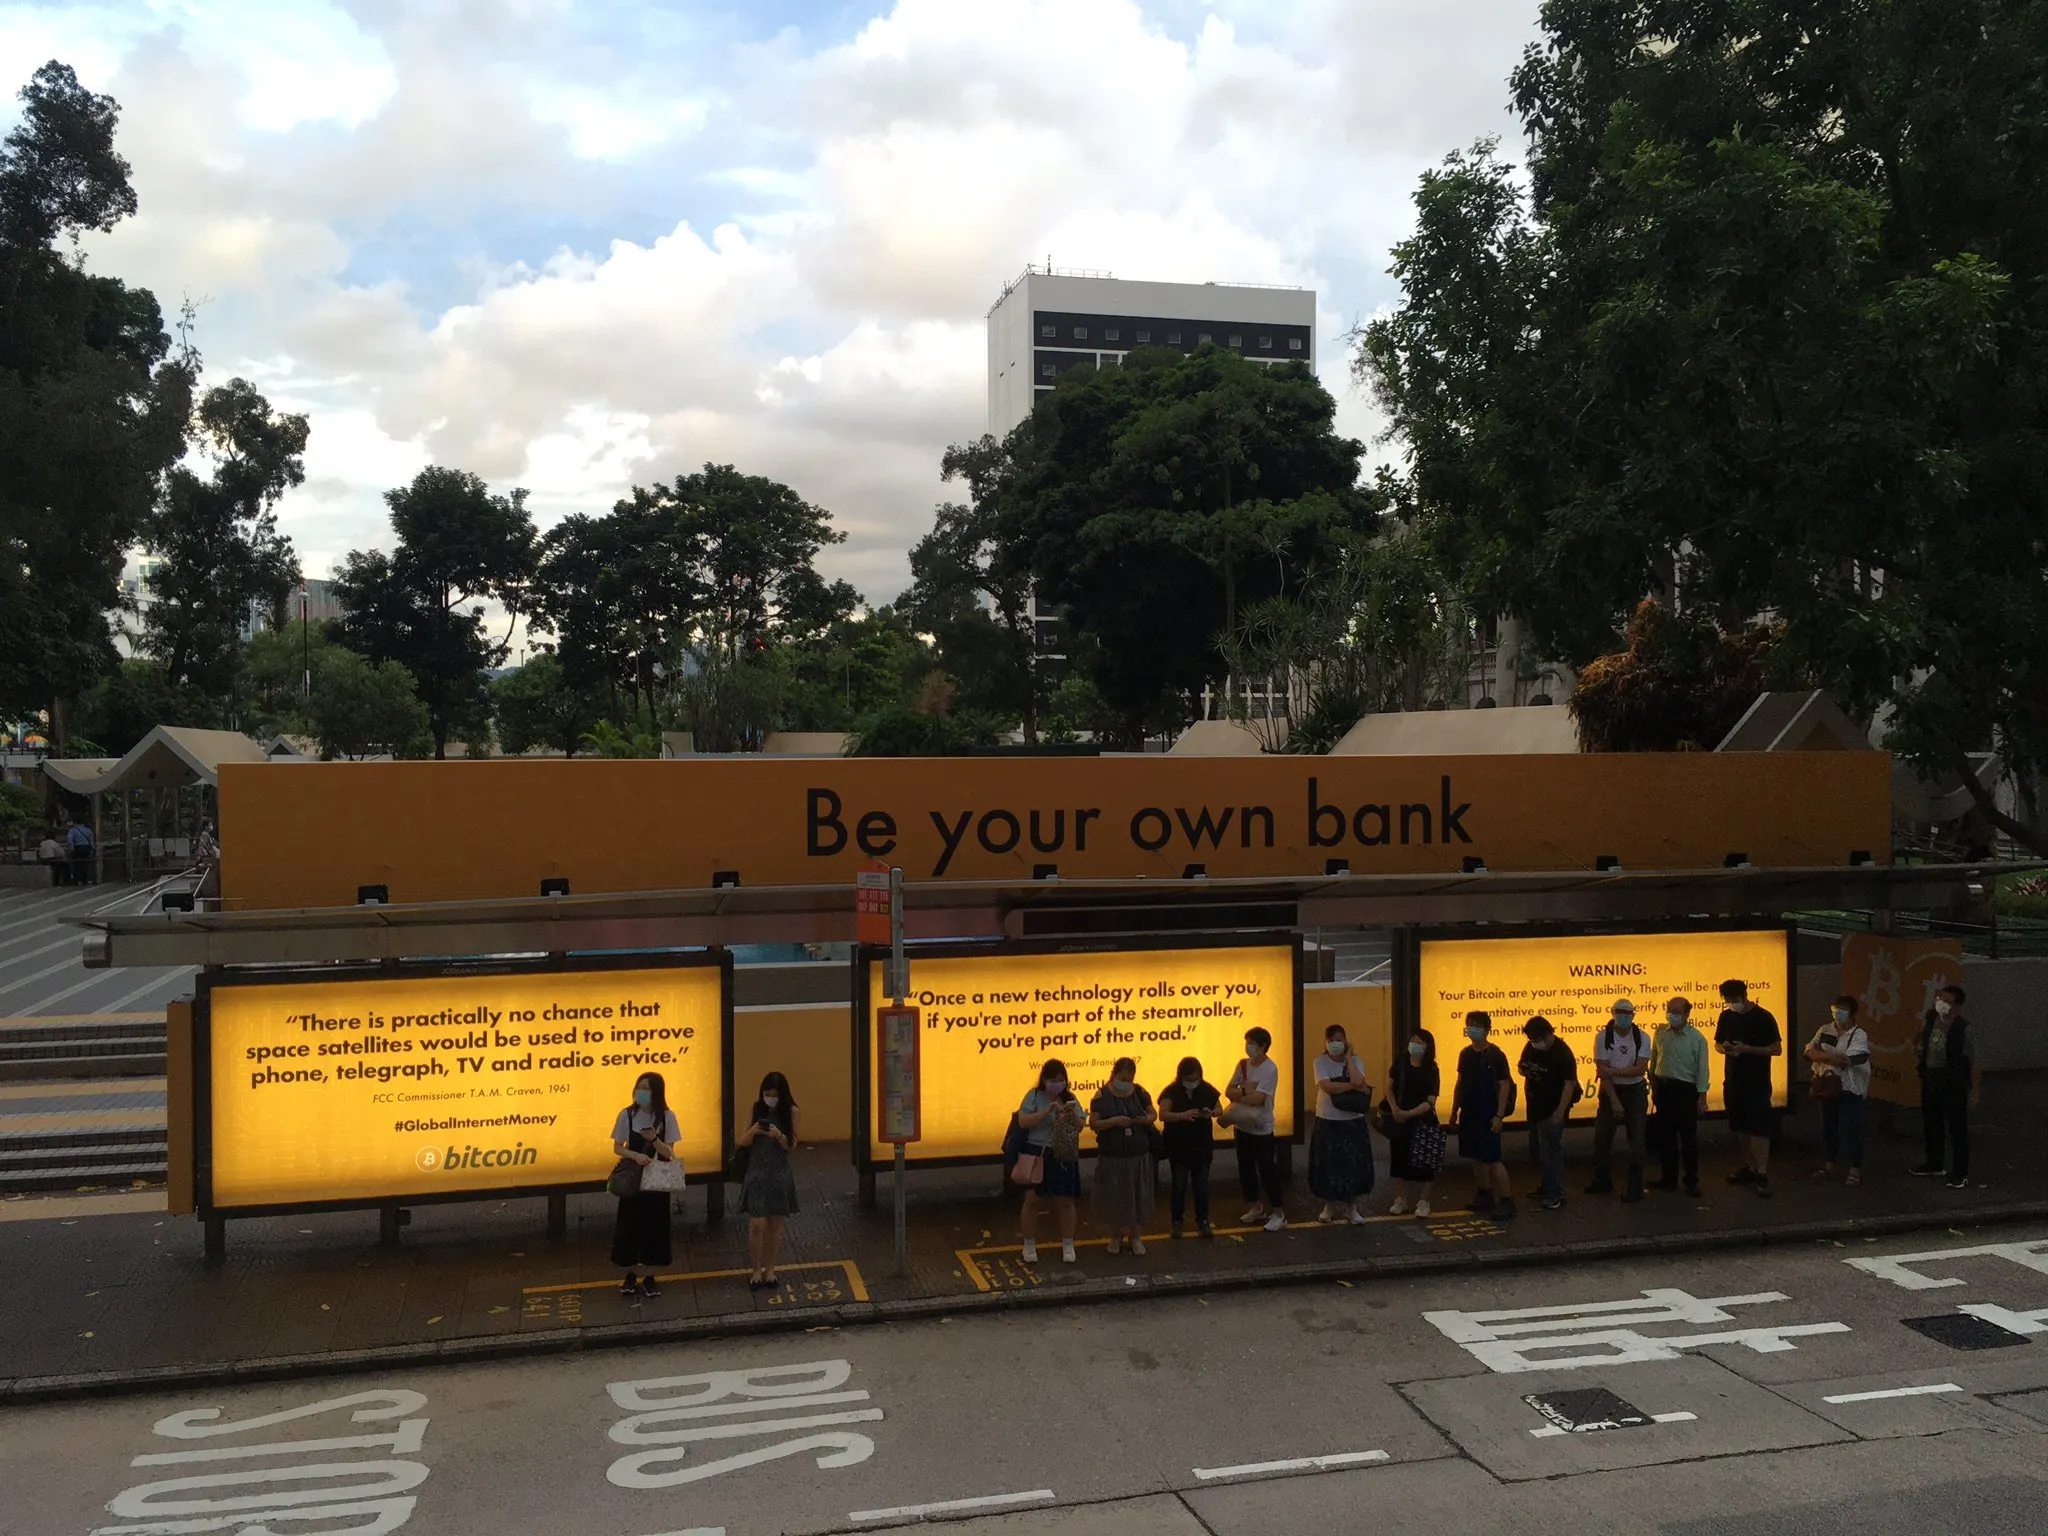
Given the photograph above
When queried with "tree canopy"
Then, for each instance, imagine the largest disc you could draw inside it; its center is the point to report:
(1763, 331)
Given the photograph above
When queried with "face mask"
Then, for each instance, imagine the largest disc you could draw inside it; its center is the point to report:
(770, 1100)
(1121, 1085)
(1191, 1083)
(1623, 1022)
(1256, 1052)
(644, 1097)
(1056, 1085)
(1338, 1049)
(1475, 1033)
(1944, 1007)
(1841, 1015)
(1676, 1020)
(1417, 1050)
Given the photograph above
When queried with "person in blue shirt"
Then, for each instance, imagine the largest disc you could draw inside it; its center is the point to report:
(80, 840)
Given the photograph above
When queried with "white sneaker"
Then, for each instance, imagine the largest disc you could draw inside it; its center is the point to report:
(1111, 1250)
(1276, 1221)
(1030, 1251)
(1138, 1247)
(1399, 1207)
(1250, 1218)
(1422, 1207)
(1358, 1217)
(1066, 1253)
(1326, 1214)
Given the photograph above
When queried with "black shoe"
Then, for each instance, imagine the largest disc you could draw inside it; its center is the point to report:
(1958, 1183)
(1763, 1189)
(649, 1289)
(1554, 1204)
(1205, 1229)
(1742, 1176)
(630, 1288)
(1631, 1196)
(1669, 1186)
(1693, 1190)
(1482, 1205)
(1503, 1210)
(1600, 1187)
(1928, 1171)
(1177, 1232)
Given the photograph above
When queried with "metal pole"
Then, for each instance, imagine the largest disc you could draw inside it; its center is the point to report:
(899, 986)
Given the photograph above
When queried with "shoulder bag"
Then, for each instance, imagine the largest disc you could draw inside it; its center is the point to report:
(625, 1179)
(1028, 1170)
(662, 1176)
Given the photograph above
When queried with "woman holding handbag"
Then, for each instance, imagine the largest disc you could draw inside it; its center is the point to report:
(1415, 1138)
(1125, 1171)
(1340, 1164)
(1840, 1078)
(1050, 1164)
(645, 1134)
(768, 1191)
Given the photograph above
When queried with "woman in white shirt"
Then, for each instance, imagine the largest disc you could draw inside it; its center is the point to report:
(1840, 1050)
(1340, 1170)
(645, 1131)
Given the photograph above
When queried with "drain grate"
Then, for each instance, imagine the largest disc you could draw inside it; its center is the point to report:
(1587, 1409)
(1959, 1330)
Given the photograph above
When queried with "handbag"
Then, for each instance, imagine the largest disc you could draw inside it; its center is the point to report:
(1426, 1145)
(1029, 1169)
(1824, 1085)
(662, 1176)
(1353, 1101)
(1238, 1116)
(1155, 1141)
(625, 1179)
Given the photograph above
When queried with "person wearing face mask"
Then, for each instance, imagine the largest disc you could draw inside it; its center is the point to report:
(641, 1239)
(1125, 1174)
(1189, 1106)
(1839, 1076)
(1050, 1118)
(1679, 1075)
(1251, 1091)
(1951, 1085)
(1552, 1073)
(768, 1194)
(1415, 1140)
(1485, 1092)
(1621, 1056)
(1747, 1037)
(1340, 1163)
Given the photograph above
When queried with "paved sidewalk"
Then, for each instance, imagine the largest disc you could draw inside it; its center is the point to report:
(121, 1300)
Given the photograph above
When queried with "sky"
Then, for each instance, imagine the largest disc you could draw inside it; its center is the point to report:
(577, 245)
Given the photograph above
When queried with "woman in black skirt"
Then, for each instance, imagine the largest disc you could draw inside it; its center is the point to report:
(645, 1130)
(1415, 1136)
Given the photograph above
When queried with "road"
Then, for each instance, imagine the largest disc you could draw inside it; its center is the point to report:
(1765, 1393)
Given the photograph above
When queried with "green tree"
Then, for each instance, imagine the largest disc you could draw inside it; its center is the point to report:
(755, 540)
(93, 405)
(21, 810)
(422, 606)
(221, 558)
(537, 706)
(363, 709)
(620, 593)
(277, 666)
(136, 697)
(858, 665)
(1680, 684)
(1155, 501)
(1766, 332)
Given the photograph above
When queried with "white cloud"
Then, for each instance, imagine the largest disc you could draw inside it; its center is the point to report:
(496, 234)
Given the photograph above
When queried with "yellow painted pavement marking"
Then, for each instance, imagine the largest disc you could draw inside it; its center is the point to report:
(851, 1270)
(128, 1202)
(82, 1088)
(83, 1120)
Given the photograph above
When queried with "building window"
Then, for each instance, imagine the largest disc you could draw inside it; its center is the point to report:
(1143, 337)
(1204, 336)
(1294, 344)
(1237, 341)
(1080, 333)
(1266, 342)
(1048, 331)
(1109, 335)
(1049, 370)
(1173, 338)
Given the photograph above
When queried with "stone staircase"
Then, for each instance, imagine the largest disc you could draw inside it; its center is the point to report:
(105, 1048)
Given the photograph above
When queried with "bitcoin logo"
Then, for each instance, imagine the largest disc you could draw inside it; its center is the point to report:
(428, 1158)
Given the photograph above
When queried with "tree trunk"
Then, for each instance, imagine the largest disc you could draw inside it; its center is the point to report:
(1987, 803)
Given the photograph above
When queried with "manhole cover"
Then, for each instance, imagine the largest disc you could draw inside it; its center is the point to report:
(1588, 1409)
(1959, 1330)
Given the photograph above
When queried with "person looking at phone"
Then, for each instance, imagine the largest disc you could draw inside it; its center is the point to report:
(1122, 1119)
(1189, 1107)
(1251, 1090)
(641, 1240)
(1051, 1118)
(768, 1193)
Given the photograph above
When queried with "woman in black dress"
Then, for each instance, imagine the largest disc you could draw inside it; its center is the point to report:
(645, 1130)
(768, 1194)
(1416, 1140)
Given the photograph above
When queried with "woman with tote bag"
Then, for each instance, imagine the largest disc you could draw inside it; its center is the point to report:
(644, 1138)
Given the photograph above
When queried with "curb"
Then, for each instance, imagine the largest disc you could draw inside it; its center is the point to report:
(561, 1341)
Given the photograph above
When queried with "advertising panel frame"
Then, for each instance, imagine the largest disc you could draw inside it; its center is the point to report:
(209, 982)
(866, 1063)
(1407, 976)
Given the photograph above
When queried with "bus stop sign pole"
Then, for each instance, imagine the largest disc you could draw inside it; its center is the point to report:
(900, 1096)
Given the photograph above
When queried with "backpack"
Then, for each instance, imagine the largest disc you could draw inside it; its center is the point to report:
(1634, 1029)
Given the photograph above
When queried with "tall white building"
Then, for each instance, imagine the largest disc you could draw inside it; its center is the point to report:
(1050, 320)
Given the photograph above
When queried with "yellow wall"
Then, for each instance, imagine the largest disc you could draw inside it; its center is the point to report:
(812, 1045)
(311, 833)
(1367, 1014)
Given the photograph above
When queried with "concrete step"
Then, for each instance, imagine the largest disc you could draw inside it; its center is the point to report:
(131, 1044)
(43, 1143)
(73, 1176)
(12, 1163)
(66, 1030)
(31, 1068)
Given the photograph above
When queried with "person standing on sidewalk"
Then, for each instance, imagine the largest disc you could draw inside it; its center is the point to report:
(1251, 1091)
(768, 1194)
(1125, 1174)
(1415, 1140)
(1051, 1120)
(641, 1236)
(1679, 1075)
(1748, 1037)
(1485, 1090)
(1621, 1055)
(1840, 1055)
(1951, 1085)
(1552, 1073)
(1189, 1108)
(1340, 1161)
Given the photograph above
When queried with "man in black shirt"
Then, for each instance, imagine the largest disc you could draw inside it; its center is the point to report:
(1951, 1083)
(1747, 1037)
(1552, 1073)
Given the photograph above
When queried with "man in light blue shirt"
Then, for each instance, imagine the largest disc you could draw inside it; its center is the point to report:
(1680, 1071)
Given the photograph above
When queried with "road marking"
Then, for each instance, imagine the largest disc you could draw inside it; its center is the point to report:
(1871, 1397)
(1610, 1332)
(954, 1506)
(1553, 1431)
(970, 1257)
(1898, 1267)
(697, 1530)
(71, 1207)
(1297, 1464)
(857, 1286)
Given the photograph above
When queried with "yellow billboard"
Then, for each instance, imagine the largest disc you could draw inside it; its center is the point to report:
(992, 1015)
(438, 1085)
(1573, 980)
